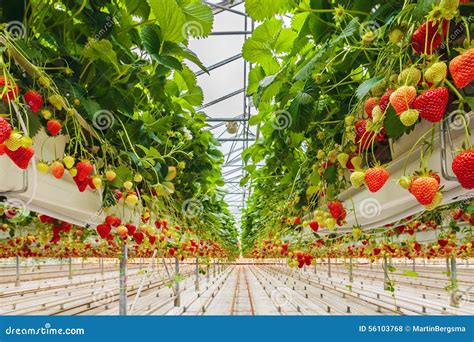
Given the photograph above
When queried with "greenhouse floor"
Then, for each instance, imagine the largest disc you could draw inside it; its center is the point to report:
(243, 288)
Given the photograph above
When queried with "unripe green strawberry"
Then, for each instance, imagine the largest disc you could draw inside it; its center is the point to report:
(395, 36)
(330, 223)
(320, 154)
(68, 161)
(409, 117)
(436, 73)
(409, 76)
(42, 167)
(13, 142)
(56, 101)
(405, 182)
(357, 162)
(343, 158)
(357, 178)
(377, 114)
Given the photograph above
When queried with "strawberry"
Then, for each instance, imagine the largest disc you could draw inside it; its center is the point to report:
(385, 99)
(443, 242)
(463, 168)
(409, 117)
(409, 76)
(363, 138)
(336, 209)
(57, 169)
(375, 178)
(369, 104)
(114, 221)
(131, 228)
(427, 38)
(432, 104)
(103, 230)
(424, 189)
(9, 89)
(53, 126)
(84, 169)
(462, 68)
(357, 178)
(313, 225)
(138, 237)
(5, 130)
(13, 142)
(436, 73)
(34, 100)
(81, 184)
(21, 157)
(402, 98)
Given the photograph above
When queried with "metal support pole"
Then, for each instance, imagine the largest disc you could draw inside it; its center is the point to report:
(413, 265)
(214, 268)
(123, 281)
(385, 273)
(82, 266)
(329, 267)
(142, 282)
(17, 278)
(197, 274)
(101, 266)
(177, 300)
(60, 264)
(208, 273)
(351, 279)
(454, 301)
(70, 269)
(315, 267)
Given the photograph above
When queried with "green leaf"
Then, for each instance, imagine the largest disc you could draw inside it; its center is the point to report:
(263, 9)
(150, 36)
(470, 101)
(408, 273)
(365, 87)
(244, 180)
(199, 19)
(100, 50)
(170, 18)
(393, 126)
(391, 268)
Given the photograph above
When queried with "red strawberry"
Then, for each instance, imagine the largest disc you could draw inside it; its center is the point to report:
(152, 239)
(21, 157)
(432, 104)
(81, 184)
(8, 88)
(462, 68)
(2, 149)
(84, 169)
(429, 41)
(104, 230)
(45, 218)
(369, 104)
(336, 209)
(443, 242)
(34, 100)
(402, 98)
(313, 225)
(5, 130)
(53, 126)
(138, 237)
(131, 228)
(114, 221)
(463, 168)
(376, 251)
(424, 189)
(363, 138)
(385, 99)
(375, 178)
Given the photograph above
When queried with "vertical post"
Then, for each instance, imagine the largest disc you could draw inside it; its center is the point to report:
(197, 274)
(17, 278)
(351, 279)
(60, 264)
(123, 281)
(101, 260)
(329, 267)
(385, 273)
(413, 267)
(214, 267)
(454, 301)
(82, 266)
(208, 273)
(70, 268)
(315, 267)
(177, 300)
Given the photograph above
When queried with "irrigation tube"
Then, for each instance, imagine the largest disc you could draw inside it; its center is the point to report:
(148, 269)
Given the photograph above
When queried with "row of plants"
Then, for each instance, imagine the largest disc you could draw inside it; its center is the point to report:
(112, 80)
(334, 89)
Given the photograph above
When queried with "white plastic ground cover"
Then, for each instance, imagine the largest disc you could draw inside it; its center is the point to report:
(392, 202)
